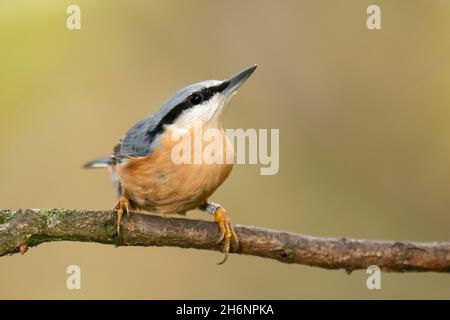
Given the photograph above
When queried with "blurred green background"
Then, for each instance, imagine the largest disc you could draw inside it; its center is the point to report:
(363, 117)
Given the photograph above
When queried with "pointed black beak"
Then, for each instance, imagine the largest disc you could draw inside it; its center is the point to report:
(238, 80)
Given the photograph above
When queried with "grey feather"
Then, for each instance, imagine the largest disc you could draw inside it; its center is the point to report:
(137, 141)
(100, 163)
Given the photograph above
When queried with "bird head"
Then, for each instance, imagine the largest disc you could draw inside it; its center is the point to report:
(202, 102)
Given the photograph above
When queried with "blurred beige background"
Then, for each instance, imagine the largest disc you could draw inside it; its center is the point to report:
(363, 117)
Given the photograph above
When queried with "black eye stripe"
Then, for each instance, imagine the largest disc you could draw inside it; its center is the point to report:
(172, 115)
(208, 93)
(196, 98)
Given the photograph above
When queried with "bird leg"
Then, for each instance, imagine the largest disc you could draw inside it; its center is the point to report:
(227, 233)
(123, 205)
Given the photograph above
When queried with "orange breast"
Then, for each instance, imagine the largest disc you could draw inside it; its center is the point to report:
(156, 183)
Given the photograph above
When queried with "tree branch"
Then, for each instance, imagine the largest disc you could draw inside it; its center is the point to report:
(27, 228)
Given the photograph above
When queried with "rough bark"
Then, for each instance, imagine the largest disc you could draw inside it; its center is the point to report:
(27, 228)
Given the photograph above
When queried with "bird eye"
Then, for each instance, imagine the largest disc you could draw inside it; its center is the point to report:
(196, 98)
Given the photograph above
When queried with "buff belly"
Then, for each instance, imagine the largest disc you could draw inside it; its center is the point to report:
(156, 183)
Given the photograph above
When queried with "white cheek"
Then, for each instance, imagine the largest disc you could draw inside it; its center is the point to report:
(203, 113)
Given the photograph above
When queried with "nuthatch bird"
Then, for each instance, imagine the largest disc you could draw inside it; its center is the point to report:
(144, 173)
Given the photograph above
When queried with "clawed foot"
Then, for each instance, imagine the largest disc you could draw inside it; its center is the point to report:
(227, 234)
(123, 205)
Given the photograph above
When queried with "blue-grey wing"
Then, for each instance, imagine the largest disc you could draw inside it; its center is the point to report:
(139, 140)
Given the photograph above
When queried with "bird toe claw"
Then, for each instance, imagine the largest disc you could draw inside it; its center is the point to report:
(122, 206)
(227, 234)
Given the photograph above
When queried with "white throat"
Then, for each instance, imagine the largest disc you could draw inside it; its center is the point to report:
(207, 113)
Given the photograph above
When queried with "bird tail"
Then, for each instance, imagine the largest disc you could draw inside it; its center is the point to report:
(104, 162)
